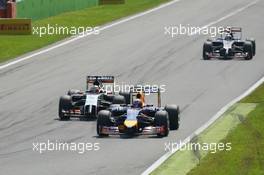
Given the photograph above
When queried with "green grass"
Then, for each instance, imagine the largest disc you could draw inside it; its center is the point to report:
(247, 154)
(256, 97)
(13, 46)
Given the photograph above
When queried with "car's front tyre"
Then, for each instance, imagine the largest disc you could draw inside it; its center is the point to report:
(162, 120)
(64, 104)
(103, 120)
(207, 48)
(173, 113)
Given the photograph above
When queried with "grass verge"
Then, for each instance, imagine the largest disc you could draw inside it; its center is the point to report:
(243, 126)
(247, 154)
(14, 46)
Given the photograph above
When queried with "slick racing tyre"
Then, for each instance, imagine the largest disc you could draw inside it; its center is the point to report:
(173, 112)
(73, 91)
(108, 97)
(103, 120)
(64, 104)
(127, 96)
(119, 99)
(207, 48)
(162, 120)
(253, 45)
(248, 48)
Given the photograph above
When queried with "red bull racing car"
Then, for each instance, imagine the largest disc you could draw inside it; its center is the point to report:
(138, 118)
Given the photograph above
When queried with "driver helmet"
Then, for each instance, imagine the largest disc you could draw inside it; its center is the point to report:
(95, 89)
(137, 103)
(228, 36)
(96, 82)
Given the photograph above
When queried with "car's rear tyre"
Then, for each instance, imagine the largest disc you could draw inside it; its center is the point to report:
(103, 120)
(73, 91)
(162, 120)
(109, 97)
(173, 113)
(248, 48)
(127, 96)
(119, 99)
(64, 104)
(207, 48)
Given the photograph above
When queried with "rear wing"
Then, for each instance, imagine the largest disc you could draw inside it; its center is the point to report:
(146, 90)
(99, 80)
(236, 29)
(233, 29)
(236, 32)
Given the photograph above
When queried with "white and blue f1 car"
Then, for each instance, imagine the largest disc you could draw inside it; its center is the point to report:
(229, 45)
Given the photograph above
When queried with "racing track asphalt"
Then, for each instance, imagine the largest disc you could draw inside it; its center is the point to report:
(136, 51)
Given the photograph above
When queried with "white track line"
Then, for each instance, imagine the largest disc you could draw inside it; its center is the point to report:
(156, 164)
(79, 37)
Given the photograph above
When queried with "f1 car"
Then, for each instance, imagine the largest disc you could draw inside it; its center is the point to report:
(229, 45)
(138, 118)
(87, 104)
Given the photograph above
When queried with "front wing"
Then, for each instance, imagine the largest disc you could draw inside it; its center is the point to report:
(150, 130)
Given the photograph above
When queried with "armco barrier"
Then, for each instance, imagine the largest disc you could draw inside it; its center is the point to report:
(15, 26)
(38, 9)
